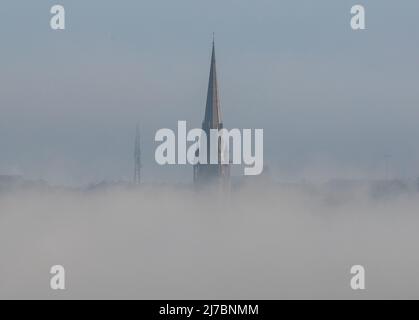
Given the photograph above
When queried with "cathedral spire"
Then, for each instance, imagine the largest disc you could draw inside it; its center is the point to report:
(212, 118)
(209, 172)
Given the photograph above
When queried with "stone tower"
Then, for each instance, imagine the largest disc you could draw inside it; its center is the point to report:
(212, 173)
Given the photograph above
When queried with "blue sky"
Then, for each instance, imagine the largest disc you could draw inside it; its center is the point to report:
(333, 102)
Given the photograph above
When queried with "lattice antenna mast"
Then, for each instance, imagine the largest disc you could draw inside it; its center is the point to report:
(137, 157)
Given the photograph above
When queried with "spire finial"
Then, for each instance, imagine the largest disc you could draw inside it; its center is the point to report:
(213, 38)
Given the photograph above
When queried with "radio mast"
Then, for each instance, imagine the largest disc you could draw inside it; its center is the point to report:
(137, 158)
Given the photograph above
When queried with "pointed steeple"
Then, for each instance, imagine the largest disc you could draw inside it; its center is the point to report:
(212, 172)
(212, 118)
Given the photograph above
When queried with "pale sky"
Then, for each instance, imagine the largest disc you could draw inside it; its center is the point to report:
(333, 102)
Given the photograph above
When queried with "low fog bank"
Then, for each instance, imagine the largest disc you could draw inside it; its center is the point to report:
(162, 242)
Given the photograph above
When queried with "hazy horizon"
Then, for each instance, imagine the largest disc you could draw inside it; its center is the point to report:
(257, 243)
(333, 103)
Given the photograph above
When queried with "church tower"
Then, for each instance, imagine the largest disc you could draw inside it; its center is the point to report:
(212, 173)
